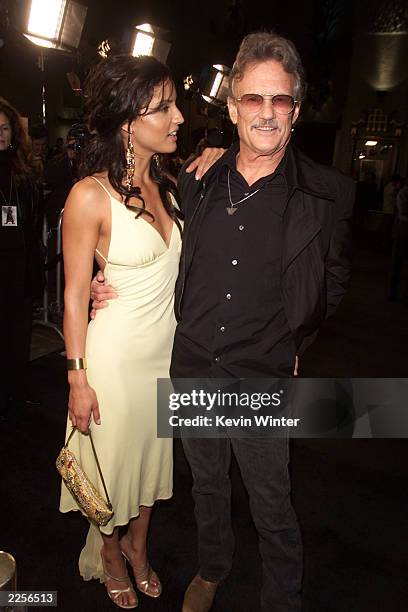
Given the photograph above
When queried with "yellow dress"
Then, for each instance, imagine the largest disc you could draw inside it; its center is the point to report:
(128, 346)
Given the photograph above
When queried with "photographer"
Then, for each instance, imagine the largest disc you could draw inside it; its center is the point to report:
(61, 172)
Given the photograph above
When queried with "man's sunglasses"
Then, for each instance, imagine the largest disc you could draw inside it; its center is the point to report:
(282, 103)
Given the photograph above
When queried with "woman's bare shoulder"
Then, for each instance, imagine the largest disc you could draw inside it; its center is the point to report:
(88, 197)
(87, 187)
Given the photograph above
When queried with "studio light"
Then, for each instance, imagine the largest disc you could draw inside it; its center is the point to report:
(146, 41)
(215, 89)
(56, 24)
(371, 143)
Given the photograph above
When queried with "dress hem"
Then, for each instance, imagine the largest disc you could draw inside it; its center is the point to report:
(101, 529)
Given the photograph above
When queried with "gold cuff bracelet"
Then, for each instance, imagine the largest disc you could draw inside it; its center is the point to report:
(79, 363)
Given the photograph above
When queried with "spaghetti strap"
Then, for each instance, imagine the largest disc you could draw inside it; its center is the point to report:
(102, 185)
(100, 255)
(104, 188)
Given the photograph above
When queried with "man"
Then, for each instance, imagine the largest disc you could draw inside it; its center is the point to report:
(265, 259)
(39, 150)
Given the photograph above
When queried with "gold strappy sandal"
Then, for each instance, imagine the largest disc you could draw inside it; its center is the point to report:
(115, 593)
(147, 581)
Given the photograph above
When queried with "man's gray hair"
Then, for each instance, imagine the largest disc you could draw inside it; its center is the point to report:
(264, 46)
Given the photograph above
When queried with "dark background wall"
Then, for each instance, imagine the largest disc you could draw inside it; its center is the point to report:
(328, 33)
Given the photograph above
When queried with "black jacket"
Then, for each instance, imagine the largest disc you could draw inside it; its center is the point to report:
(316, 244)
(31, 214)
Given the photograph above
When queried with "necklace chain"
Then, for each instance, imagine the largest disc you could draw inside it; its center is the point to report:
(11, 190)
(232, 208)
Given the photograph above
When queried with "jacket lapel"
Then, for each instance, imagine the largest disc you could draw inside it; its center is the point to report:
(195, 221)
(301, 228)
(305, 182)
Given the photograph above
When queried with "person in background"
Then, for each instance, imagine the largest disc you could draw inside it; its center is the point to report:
(21, 258)
(389, 201)
(58, 148)
(400, 246)
(39, 150)
(61, 172)
(366, 199)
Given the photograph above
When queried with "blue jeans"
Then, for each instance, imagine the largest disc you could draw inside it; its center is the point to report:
(264, 468)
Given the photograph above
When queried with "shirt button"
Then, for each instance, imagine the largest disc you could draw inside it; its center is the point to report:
(234, 262)
(241, 227)
(222, 328)
(228, 296)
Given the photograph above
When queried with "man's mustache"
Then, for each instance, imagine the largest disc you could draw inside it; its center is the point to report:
(266, 123)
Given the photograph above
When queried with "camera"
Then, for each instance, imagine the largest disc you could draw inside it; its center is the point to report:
(80, 135)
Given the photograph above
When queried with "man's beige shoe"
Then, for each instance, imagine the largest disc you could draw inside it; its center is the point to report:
(200, 595)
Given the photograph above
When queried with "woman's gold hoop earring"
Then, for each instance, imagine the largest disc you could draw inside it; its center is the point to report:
(130, 162)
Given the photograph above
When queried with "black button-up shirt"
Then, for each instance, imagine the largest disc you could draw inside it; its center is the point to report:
(233, 322)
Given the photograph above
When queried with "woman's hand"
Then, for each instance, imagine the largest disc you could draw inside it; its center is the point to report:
(203, 163)
(82, 404)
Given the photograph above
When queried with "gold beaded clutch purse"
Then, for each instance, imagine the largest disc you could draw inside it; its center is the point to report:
(90, 501)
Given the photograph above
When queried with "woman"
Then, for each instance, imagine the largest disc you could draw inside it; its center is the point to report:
(123, 213)
(20, 256)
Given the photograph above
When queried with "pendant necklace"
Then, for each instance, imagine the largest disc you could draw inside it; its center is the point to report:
(232, 208)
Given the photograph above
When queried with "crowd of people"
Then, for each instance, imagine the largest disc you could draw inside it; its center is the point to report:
(178, 267)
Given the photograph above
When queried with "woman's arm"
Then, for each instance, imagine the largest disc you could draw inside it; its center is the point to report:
(81, 230)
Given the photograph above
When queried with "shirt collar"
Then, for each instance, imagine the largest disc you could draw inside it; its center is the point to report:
(299, 172)
(284, 167)
(229, 159)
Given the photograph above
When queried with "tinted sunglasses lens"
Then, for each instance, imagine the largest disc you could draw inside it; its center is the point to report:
(283, 104)
(251, 102)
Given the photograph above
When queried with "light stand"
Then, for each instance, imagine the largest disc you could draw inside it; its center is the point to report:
(53, 24)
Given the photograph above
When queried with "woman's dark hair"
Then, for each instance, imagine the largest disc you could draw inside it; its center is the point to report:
(117, 91)
(19, 148)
